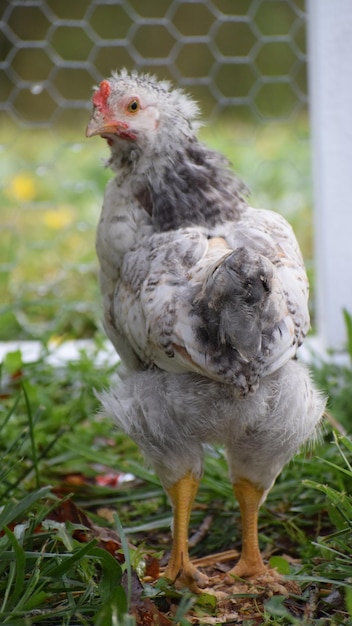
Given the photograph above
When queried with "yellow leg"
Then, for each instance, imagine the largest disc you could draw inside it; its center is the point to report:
(180, 569)
(249, 497)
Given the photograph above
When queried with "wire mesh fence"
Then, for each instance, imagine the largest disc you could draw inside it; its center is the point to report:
(244, 61)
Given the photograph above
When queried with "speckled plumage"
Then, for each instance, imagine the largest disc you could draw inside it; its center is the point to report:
(205, 298)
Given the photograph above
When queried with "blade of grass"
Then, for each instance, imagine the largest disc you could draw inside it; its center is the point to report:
(17, 571)
(336, 467)
(40, 457)
(111, 576)
(348, 444)
(321, 579)
(10, 412)
(126, 552)
(14, 510)
(348, 324)
(60, 570)
(348, 597)
(31, 434)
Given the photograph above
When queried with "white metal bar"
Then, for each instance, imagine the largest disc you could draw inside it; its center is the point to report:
(330, 78)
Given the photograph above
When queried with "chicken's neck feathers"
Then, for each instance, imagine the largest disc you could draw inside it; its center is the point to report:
(180, 184)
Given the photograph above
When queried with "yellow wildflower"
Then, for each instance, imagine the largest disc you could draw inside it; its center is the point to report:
(22, 188)
(58, 218)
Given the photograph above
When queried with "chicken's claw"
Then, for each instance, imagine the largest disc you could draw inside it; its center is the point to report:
(186, 575)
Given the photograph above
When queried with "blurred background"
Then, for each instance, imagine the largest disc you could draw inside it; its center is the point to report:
(244, 61)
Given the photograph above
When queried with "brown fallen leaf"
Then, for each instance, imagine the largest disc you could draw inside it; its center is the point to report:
(152, 567)
(108, 539)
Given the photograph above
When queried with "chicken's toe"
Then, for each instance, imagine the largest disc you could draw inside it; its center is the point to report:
(248, 568)
(186, 575)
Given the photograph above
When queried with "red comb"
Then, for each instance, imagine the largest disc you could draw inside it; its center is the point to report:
(100, 97)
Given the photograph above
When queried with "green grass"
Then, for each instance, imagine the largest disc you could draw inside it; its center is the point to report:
(46, 575)
(50, 433)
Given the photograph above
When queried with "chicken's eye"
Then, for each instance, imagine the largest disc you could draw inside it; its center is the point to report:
(133, 106)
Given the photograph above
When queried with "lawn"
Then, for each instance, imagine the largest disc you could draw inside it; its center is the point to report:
(83, 520)
(69, 482)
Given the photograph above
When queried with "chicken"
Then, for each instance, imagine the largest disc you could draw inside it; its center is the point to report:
(205, 301)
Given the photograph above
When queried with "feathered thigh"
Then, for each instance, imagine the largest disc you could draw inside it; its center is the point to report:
(170, 416)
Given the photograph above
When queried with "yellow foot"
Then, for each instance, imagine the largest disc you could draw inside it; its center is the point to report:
(249, 498)
(186, 575)
(180, 571)
(247, 569)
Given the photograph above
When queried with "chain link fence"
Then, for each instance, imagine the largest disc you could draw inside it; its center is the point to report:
(243, 60)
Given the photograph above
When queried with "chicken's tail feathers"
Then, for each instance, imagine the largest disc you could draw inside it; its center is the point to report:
(245, 321)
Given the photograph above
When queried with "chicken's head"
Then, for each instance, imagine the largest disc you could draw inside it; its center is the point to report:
(138, 109)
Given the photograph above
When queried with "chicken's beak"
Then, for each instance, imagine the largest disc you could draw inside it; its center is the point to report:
(107, 127)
